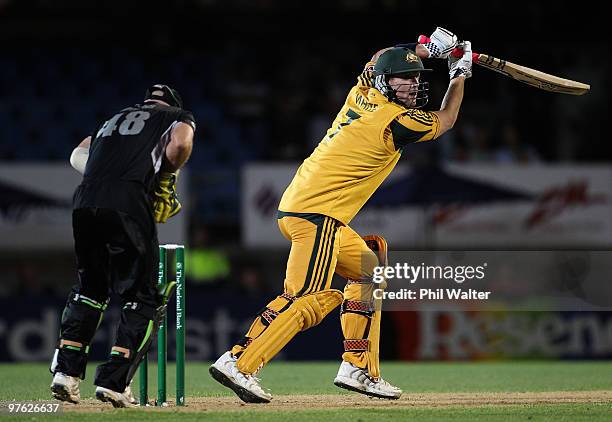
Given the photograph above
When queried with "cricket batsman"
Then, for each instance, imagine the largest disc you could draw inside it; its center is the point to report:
(382, 114)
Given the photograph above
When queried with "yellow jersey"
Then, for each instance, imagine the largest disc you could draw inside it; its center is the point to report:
(358, 152)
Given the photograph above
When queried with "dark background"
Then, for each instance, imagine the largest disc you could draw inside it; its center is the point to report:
(264, 80)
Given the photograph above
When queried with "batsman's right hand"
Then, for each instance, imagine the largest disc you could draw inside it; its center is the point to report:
(462, 65)
(165, 201)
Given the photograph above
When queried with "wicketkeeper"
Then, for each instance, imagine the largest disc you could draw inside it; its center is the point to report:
(129, 167)
(382, 114)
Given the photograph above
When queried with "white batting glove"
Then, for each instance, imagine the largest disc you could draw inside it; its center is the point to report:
(441, 43)
(462, 65)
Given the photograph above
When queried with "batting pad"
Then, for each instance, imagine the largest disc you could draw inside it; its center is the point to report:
(305, 312)
(361, 315)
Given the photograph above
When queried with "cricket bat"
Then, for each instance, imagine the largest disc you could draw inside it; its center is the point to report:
(528, 75)
(523, 74)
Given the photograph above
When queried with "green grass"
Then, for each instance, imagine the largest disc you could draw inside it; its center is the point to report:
(31, 382)
(561, 412)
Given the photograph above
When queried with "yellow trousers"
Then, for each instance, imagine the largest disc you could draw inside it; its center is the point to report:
(320, 247)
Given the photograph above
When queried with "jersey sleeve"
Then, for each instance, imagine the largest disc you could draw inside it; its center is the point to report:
(410, 127)
(94, 132)
(366, 77)
(187, 117)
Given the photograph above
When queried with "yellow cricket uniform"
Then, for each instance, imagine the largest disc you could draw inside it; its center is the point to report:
(357, 153)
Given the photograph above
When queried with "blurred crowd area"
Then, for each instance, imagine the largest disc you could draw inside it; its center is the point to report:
(265, 80)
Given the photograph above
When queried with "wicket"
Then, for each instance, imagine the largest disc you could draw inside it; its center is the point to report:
(162, 345)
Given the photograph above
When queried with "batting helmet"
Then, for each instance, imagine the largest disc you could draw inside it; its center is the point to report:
(400, 62)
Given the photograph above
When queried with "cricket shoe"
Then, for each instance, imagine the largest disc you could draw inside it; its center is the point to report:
(225, 370)
(129, 395)
(356, 379)
(116, 399)
(66, 388)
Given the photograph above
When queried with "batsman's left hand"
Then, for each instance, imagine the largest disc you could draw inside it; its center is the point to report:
(440, 43)
(165, 201)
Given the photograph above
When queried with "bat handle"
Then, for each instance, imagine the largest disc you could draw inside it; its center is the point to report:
(457, 52)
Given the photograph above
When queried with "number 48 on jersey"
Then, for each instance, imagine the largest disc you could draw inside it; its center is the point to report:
(133, 124)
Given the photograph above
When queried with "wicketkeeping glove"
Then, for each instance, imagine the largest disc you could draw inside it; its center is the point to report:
(165, 202)
(440, 43)
(462, 65)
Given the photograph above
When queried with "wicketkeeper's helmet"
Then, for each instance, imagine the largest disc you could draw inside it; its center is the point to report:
(400, 62)
(164, 93)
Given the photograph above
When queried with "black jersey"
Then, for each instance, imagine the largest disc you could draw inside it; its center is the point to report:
(125, 153)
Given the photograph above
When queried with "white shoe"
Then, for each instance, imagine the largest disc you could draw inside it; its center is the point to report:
(356, 379)
(66, 388)
(247, 387)
(129, 395)
(113, 397)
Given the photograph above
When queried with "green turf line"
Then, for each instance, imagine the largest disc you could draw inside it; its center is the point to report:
(31, 381)
(540, 413)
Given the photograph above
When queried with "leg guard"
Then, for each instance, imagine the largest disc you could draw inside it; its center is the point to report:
(136, 330)
(305, 312)
(360, 316)
(80, 320)
(262, 321)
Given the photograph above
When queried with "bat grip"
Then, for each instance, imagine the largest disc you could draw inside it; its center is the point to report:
(457, 52)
